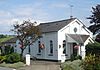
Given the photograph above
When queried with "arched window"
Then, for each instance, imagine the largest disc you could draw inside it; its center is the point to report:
(64, 46)
(51, 47)
(39, 48)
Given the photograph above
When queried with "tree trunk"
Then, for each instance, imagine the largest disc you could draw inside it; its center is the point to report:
(29, 50)
(21, 55)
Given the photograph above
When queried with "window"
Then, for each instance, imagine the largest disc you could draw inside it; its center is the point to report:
(64, 46)
(51, 47)
(39, 48)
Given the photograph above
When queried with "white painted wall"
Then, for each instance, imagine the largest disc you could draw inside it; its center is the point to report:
(57, 38)
(51, 36)
(45, 53)
(69, 29)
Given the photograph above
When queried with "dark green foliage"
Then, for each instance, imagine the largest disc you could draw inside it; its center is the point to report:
(92, 60)
(3, 36)
(74, 57)
(8, 50)
(93, 48)
(78, 57)
(95, 18)
(12, 58)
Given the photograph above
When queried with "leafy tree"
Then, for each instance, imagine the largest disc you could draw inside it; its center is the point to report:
(27, 33)
(98, 38)
(95, 19)
(2, 36)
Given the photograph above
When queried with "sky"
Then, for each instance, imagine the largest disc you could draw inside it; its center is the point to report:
(12, 11)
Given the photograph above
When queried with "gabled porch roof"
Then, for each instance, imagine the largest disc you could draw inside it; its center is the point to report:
(77, 38)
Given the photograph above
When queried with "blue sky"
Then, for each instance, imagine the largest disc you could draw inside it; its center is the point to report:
(42, 11)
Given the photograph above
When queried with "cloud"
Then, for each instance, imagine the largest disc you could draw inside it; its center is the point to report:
(5, 21)
(34, 11)
(59, 5)
(22, 11)
(5, 26)
(5, 14)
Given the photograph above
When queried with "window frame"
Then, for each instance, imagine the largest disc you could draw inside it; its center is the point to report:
(51, 47)
(39, 44)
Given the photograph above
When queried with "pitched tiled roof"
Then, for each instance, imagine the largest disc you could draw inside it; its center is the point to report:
(79, 38)
(54, 26)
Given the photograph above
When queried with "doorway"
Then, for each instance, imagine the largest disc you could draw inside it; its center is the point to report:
(75, 49)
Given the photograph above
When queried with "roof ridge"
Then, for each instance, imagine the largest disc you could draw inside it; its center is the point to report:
(57, 21)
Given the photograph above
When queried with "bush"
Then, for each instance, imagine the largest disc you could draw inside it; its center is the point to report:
(93, 48)
(2, 59)
(91, 62)
(73, 57)
(78, 57)
(12, 58)
(74, 65)
(8, 50)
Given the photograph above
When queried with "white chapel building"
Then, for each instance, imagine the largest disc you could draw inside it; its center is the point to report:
(59, 40)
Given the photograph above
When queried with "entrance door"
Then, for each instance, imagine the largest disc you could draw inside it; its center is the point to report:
(72, 50)
(75, 49)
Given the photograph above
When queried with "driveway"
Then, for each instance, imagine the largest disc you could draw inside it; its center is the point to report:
(3, 68)
(42, 65)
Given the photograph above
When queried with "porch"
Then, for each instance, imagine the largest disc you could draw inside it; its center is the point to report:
(74, 45)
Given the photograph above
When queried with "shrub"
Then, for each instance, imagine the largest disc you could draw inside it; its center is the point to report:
(78, 57)
(8, 50)
(12, 58)
(2, 59)
(93, 48)
(73, 57)
(91, 62)
(74, 65)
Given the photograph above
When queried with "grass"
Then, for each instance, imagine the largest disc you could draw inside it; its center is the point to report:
(5, 39)
(74, 65)
(14, 65)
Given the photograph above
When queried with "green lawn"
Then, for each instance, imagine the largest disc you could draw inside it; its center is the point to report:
(5, 39)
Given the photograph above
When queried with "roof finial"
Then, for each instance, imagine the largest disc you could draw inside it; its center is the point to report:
(71, 11)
